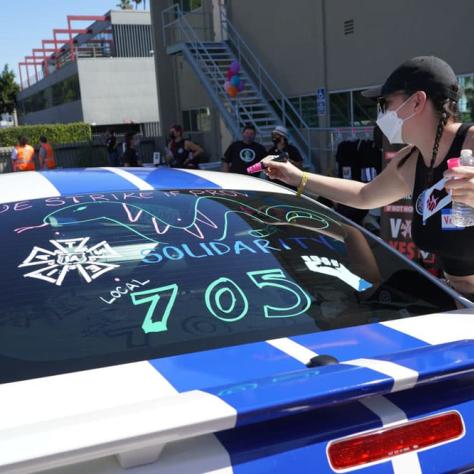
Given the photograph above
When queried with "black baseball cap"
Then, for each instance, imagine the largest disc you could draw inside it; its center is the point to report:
(423, 73)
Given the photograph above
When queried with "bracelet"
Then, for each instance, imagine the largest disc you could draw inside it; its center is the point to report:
(301, 186)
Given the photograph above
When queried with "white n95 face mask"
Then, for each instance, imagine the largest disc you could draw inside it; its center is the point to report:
(391, 124)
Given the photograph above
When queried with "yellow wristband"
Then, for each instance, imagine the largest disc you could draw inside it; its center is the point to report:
(301, 186)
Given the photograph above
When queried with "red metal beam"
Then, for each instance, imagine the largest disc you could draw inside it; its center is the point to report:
(70, 19)
(66, 31)
(26, 64)
(85, 18)
(59, 44)
(33, 59)
(43, 50)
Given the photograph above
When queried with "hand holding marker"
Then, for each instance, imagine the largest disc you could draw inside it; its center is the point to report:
(257, 167)
(292, 175)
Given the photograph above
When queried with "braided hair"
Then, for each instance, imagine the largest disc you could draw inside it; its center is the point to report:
(446, 109)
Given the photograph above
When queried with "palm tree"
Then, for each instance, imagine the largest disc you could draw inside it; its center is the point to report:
(137, 2)
(125, 5)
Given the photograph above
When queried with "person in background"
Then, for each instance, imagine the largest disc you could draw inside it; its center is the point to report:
(112, 148)
(46, 156)
(280, 146)
(418, 106)
(243, 153)
(23, 156)
(181, 153)
(130, 155)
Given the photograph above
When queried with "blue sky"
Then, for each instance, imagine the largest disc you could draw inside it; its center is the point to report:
(24, 23)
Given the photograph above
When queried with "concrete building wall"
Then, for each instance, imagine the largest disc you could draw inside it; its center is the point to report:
(178, 86)
(295, 41)
(191, 92)
(118, 90)
(287, 37)
(386, 33)
(130, 17)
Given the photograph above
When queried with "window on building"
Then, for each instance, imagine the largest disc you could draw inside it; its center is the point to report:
(189, 5)
(305, 106)
(308, 110)
(340, 107)
(34, 103)
(66, 91)
(466, 101)
(197, 120)
(293, 120)
(351, 109)
(364, 109)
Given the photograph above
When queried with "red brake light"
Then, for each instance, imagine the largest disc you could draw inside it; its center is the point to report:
(385, 443)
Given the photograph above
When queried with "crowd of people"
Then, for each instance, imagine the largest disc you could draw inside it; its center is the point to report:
(180, 151)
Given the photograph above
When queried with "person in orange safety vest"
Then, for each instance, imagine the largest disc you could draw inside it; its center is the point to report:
(23, 156)
(47, 159)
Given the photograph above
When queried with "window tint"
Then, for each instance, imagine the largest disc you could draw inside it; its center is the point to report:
(102, 279)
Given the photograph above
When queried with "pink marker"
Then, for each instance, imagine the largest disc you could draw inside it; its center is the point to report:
(257, 167)
(454, 163)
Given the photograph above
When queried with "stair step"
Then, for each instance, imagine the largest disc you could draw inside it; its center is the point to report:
(217, 54)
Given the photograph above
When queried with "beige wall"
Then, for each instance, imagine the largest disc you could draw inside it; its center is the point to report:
(294, 43)
(287, 36)
(388, 32)
(118, 90)
(191, 92)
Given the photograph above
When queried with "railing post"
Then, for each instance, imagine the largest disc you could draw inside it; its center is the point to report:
(163, 28)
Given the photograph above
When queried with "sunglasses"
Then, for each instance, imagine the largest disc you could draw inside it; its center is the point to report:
(383, 103)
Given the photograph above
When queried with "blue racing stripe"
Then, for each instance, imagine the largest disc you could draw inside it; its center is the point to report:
(236, 364)
(228, 365)
(260, 400)
(171, 178)
(91, 180)
(297, 444)
(365, 341)
(434, 361)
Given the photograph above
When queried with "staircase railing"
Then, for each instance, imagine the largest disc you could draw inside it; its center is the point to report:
(211, 76)
(178, 30)
(266, 85)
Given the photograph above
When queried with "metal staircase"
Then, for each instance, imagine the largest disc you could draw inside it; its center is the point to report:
(261, 103)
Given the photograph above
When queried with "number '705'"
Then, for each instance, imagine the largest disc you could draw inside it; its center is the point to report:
(224, 299)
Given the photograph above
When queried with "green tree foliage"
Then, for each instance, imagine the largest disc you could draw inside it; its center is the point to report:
(125, 5)
(56, 133)
(8, 90)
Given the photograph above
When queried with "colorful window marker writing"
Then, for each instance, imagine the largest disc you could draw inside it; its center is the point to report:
(224, 299)
(153, 297)
(214, 297)
(336, 269)
(276, 278)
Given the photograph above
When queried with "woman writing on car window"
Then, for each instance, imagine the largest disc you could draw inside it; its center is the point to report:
(417, 106)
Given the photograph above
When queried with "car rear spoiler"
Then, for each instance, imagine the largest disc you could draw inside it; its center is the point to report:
(136, 433)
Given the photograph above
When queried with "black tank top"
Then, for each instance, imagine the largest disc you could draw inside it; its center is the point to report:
(179, 153)
(453, 246)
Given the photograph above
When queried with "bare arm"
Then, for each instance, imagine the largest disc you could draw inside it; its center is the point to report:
(195, 149)
(392, 184)
(225, 167)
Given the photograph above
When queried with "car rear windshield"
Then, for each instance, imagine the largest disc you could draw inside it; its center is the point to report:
(95, 280)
